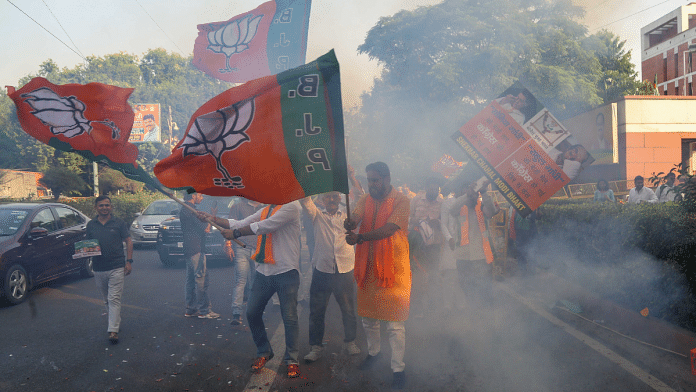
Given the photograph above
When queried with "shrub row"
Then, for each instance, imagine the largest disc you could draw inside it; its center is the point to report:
(637, 255)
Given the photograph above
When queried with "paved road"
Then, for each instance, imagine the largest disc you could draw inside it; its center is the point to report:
(57, 341)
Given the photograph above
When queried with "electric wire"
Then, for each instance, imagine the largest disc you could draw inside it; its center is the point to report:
(157, 24)
(54, 36)
(633, 14)
(61, 26)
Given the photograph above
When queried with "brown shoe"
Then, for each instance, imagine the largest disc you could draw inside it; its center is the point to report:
(260, 362)
(113, 337)
(293, 370)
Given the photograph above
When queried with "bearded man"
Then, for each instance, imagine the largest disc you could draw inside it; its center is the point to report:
(382, 270)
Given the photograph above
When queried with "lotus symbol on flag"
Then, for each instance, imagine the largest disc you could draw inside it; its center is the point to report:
(220, 131)
(234, 37)
(63, 115)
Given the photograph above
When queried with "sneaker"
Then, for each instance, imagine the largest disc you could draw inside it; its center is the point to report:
(352, 348)
(314, 354)
(209, 315)
(113, 337)
(194, 314)
(293, 370)
(236, 319)
(260, 362)
(369, 362)
(399, 380)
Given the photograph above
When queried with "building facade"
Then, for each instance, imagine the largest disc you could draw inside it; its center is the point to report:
(668, 51)
(647, 134)
(21, 185)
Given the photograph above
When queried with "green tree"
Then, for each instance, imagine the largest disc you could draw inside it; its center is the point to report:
(443, 63)
(619, 76)
(62, 181)
(113, 181)
(156, 77)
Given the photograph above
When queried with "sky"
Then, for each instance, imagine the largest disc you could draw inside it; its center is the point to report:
(101, 27)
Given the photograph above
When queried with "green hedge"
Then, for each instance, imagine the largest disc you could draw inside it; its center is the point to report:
(637, 255)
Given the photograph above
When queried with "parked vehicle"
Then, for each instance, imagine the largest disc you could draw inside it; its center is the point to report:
(170, 238)
(144, 228)
(37, 242)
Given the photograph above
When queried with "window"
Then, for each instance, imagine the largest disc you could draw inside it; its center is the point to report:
(664, 69)
(68, 217)
(676, 65)
(44, 219)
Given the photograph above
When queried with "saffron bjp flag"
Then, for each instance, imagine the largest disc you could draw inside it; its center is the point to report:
(93, 120)
(274, 140)
(265, 41)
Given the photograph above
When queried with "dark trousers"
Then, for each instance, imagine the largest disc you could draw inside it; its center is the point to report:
(286, 285)
(342, 286)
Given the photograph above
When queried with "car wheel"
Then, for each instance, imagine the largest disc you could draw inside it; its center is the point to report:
(16, 284)
(87, 270)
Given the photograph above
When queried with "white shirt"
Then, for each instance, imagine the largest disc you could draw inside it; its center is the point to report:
(665, 193)
(646, 194)
(331, 251)
(285, 227)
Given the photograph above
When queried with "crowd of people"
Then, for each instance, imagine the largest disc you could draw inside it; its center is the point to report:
(399, 254)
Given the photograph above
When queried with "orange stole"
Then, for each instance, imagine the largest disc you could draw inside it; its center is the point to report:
(264, 243)
(464, 212)
(382, 250)
(375, 300)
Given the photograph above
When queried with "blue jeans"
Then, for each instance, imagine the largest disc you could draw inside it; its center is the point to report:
(342, 287)
(196, 287)
(244, 271)
(286, 285)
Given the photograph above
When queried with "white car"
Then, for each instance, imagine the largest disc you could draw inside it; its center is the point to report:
(144, 228)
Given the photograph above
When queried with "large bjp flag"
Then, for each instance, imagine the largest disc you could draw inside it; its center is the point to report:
(265, 41)
(93, 120)
(274, 140)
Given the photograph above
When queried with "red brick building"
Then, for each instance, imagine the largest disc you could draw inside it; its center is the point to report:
(668, 51)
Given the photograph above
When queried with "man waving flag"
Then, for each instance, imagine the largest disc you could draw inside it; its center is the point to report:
(93, 120)
(274, 140)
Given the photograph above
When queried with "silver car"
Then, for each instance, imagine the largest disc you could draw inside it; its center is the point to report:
(143, 230)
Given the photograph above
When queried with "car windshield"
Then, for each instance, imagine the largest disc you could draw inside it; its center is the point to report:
(162, 207)
(11, 220)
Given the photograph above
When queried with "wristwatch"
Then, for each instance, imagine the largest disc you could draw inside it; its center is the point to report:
(130, 261)
(236, 233)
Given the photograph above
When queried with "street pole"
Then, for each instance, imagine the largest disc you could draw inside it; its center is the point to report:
(95, 174)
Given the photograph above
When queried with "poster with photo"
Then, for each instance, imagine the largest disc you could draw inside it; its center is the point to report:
(87, 248)
(147, 124)
(522, 149)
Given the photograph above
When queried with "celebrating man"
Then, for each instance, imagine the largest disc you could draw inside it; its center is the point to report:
(382, 269)
(277, 260)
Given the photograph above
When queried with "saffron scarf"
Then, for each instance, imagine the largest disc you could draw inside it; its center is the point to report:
(464, 220)
(264, 242)
(382, 250)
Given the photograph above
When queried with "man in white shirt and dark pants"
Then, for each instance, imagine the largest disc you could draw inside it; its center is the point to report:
(333, 260)
(641, 194)
(277, 260)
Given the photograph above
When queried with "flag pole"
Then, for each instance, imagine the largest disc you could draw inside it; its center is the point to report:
(184, 204)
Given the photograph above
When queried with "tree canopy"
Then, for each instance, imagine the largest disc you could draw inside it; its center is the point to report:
(443, 63)
(157, 77)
